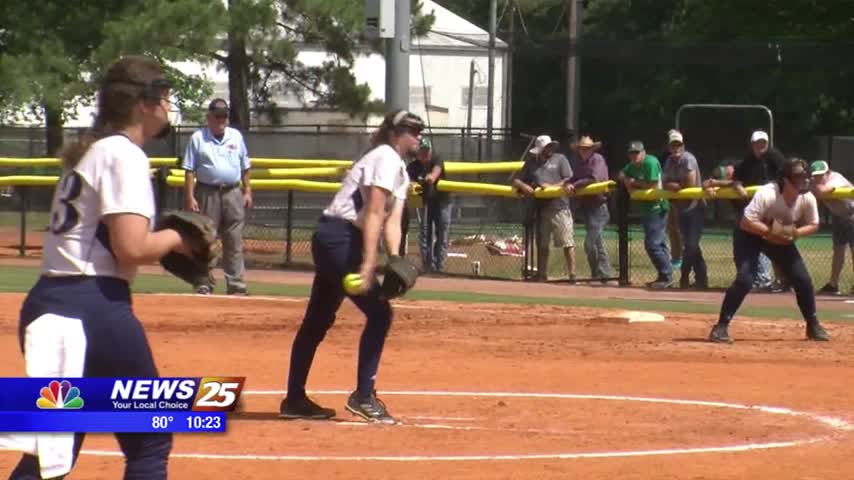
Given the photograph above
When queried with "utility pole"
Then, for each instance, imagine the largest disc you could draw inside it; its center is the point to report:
(573, 65)
(397, 59)
(508, 69)
(471, 97)
(490, 83)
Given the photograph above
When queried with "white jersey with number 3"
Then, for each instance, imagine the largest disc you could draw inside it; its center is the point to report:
(112, 177)
(381, 167)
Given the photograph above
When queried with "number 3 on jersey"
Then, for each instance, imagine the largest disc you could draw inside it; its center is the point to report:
(64, 216)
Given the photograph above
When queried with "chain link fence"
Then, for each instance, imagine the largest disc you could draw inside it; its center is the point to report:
(486, 233)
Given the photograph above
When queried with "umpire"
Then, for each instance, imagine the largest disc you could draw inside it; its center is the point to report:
(779, 213)
(216, 183)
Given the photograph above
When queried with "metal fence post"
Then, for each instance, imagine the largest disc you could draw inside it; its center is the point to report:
(479, 147)
(161, 188)
(22, 245)
(289, 216)
(623, 234)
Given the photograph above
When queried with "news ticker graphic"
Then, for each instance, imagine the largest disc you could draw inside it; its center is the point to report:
(117, 404)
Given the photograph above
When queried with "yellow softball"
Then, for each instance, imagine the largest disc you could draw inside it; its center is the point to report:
(352, 283)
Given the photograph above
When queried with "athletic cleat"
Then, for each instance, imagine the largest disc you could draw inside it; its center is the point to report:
(237, 291)
(817, 333)
(829, 290)
(661, 284)
(719, 334)
(204, 290)
(304, 409)
(371, 409)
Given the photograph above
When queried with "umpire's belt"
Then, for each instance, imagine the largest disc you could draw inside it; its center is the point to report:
(220, 188)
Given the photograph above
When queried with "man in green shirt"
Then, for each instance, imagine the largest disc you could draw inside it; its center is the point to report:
(643, 172)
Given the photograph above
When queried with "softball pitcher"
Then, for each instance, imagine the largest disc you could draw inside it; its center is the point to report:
(77, 320)
(369, 202)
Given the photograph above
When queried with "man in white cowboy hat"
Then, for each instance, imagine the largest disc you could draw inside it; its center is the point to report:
(825, 181)
(545, 168)
(590, 167)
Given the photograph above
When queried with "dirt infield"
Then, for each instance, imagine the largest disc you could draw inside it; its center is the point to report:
(498, 391)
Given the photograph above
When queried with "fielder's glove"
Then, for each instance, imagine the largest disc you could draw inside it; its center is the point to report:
(197, 231)
(400, 276)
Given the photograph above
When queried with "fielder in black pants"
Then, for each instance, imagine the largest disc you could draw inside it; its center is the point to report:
(779, 213)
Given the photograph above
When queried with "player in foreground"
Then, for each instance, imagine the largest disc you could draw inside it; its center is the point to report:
(779, 213)
(370, 201)
(77, 320)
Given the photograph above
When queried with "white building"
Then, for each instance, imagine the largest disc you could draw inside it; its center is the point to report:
(439, 67)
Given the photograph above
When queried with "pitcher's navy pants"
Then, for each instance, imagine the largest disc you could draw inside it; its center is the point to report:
(336, 247)
(84, 326)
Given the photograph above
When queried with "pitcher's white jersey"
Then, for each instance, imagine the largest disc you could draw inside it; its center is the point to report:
(381, 167)
(112, 177)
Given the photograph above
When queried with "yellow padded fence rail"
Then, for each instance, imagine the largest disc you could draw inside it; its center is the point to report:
(471, 188)
(455, 167)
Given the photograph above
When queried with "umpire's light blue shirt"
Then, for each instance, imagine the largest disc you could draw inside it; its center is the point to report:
(216, 162)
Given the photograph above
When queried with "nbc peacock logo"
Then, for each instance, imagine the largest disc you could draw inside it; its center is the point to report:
(60, 395)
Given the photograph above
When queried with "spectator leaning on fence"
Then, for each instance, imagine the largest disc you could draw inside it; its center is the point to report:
(681, 170)
(760, 165)
(427, 169)
(673, 234)
(554, 218)
(779, 213)
(825, 181)
(590, 167)
(216, 182)
(643, 172)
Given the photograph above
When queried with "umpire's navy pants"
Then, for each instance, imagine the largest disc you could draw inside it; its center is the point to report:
(747, 248)
(84, 326)
(336, 248)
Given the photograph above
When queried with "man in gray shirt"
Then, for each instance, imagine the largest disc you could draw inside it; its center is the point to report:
(824, 182)
(682, 171)
(554, 218)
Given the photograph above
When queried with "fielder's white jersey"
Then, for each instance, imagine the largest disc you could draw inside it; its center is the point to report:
(768, 205)
(112, 177)
(381, 167)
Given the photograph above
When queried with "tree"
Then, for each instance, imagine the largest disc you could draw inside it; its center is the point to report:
(264, 39)
(50, 49)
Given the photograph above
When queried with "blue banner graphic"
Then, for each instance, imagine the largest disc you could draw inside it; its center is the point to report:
(200, 394)
(113, 422)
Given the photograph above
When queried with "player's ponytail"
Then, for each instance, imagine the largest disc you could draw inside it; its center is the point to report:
(71, 155)
(123, 85)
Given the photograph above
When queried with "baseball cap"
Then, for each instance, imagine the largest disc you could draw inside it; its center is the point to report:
(540, 143)
(425, 144)
(218, 107)
(674, 137)
(758, 135)
(636, 146)
(819, 167)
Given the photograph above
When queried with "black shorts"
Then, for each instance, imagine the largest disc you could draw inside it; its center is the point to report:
(842, 231)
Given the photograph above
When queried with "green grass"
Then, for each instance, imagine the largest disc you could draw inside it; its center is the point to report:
(34, 219)
(21, 279)
(716, 245)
